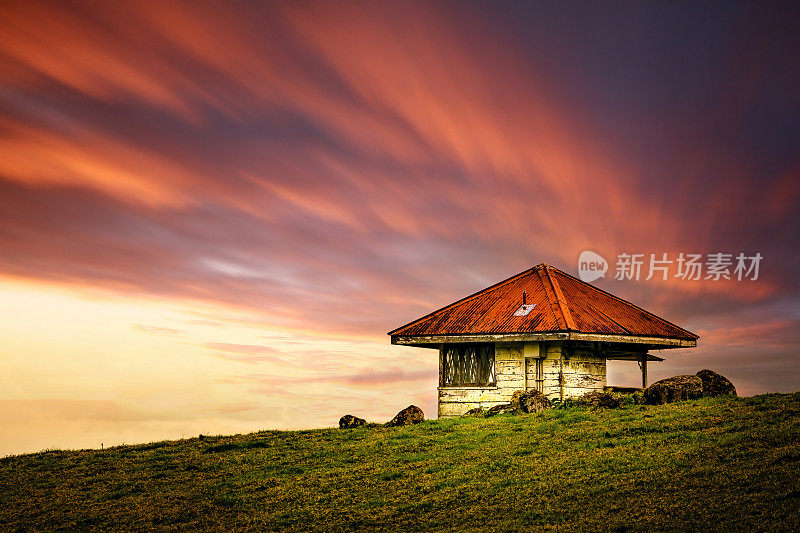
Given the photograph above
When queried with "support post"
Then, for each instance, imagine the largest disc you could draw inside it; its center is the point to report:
(441, 382)
(561, 374)
(644, 370)
(441, 365)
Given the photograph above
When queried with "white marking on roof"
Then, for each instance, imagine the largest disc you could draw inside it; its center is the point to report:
(524, 310)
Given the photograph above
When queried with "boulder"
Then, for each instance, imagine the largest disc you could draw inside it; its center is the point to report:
(530, 401)
(600, 399)
(674, 389)
(410, 415)
(501, 409)
(715, 384)
(476, 411)
(350, 421)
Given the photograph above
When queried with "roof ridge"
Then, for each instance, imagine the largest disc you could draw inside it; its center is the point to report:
(473, 295)
(552, 299)
(623, 301)
(561, 302)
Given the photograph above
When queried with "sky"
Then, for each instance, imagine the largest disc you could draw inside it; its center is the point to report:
(212, 213)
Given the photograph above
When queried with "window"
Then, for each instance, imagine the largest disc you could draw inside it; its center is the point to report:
(468, 364)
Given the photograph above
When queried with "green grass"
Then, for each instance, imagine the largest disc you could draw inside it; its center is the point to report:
(723, 464)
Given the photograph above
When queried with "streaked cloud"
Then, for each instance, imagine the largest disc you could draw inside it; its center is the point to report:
(318, 174)
(158, 330)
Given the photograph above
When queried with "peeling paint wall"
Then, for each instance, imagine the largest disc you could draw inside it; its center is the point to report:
(578, 372)
(583, 372)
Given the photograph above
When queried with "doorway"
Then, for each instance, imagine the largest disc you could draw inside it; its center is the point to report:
(534, 374)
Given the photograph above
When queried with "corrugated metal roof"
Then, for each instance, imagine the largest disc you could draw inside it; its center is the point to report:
(562, 303)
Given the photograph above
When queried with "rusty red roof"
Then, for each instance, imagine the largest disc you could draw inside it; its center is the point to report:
(562, 303)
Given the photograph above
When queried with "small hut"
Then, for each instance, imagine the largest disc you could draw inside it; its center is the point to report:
(541, 329)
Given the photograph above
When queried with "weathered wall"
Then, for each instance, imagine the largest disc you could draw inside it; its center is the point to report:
(584, 372)
(579, 372)
(510, 373)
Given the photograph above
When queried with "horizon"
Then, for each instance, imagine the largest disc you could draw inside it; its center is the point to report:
(212, 214)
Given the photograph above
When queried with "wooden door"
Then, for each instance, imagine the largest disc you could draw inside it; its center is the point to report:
(534, 374)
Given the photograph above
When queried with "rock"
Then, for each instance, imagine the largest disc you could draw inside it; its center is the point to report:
(531, 401)
(715, 384)
(410, 415)
(674, 389)
(477, 411)
(350, 421)
(600, 399)
(501, 409)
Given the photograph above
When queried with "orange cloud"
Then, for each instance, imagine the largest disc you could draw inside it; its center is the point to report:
(334, 170)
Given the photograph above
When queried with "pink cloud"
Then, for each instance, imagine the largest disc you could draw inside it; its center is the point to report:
(345, 170)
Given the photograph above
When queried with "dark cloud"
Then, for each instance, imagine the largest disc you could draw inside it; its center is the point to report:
(346, 168)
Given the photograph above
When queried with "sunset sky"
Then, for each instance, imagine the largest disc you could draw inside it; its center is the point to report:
(211, 214)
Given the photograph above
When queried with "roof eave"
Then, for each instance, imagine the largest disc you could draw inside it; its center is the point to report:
(655, 342)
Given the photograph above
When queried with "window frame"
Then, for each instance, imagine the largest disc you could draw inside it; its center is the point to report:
(463, 350)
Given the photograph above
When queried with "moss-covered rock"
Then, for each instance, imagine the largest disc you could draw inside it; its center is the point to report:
(674, 389)
(716, 384)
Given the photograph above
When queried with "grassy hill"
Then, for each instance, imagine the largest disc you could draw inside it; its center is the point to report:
(719, 463)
